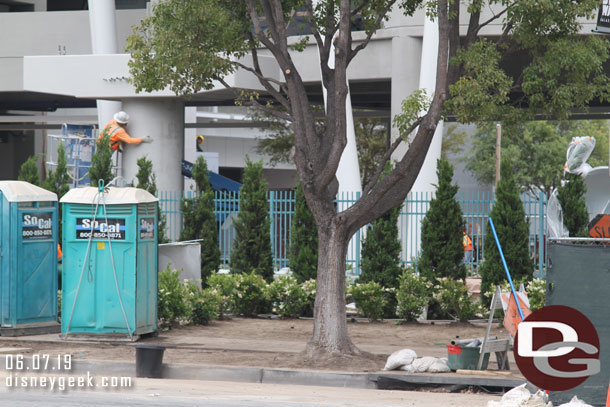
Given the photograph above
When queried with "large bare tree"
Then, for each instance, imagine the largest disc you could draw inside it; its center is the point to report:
(189, 44)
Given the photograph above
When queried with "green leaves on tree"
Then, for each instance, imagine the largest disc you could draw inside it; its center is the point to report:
(535, 151)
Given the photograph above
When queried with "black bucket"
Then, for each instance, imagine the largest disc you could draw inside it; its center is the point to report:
(149, 360)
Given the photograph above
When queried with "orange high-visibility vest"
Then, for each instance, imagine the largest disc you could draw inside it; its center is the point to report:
(467, 242)
(117, 135)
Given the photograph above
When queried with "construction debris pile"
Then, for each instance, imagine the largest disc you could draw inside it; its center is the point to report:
(521, 397)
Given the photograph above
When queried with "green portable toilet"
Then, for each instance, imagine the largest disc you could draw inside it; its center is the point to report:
(28, 259)
(109, 276)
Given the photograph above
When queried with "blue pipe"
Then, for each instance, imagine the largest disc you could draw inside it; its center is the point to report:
(510, 280)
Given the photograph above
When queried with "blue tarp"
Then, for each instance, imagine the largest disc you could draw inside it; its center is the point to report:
(219, 183)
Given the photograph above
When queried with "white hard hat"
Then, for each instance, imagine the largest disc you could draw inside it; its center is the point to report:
(121, 117)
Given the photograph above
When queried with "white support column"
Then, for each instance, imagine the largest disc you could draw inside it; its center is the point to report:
(102, 22)
(163, 120)
(190, 139)
(424, 184)
(405, 80)
(427, 80)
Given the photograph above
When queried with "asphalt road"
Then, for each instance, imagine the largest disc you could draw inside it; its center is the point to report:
(191, 393)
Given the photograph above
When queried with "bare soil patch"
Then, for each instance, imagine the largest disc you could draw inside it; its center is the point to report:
(273, 343)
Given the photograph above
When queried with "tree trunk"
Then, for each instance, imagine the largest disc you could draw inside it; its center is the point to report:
(330, 327)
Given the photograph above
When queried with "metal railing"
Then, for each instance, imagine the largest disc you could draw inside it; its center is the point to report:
(475, 207)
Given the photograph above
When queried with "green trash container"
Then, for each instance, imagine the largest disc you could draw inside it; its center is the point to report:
(109, 273)
(464, 358)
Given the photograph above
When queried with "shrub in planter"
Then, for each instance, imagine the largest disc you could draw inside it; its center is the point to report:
(412, 295)
(454, 298)
(309, 287)
(288, 297)
(204, 304)
(250, 295)
(536, 293)
(171, 299)
(225, 285)
(370, 298)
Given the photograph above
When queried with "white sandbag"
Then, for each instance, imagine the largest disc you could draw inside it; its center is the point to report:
(513, 398)
(422, 364)
(408, 368)
(400, 358)
(576, 402)
(439, 366)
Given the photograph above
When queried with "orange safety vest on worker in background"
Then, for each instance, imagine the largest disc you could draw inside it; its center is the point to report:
(467, 242)
(59, 252)
(118, 135)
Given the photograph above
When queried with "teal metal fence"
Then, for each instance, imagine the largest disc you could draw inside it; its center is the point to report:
(475, 207)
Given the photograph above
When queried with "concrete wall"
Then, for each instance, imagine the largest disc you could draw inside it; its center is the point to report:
(41, 33)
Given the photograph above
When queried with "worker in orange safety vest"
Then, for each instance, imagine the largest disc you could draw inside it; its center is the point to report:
(467, 242)
(117, 133)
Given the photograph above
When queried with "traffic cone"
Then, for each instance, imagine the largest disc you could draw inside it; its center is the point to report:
(608, 398)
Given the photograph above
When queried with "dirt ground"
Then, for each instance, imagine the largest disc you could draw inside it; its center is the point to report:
(270, 343)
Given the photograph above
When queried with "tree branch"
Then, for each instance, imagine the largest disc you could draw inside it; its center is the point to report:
(495, 17)
(358, 9)
(257, 105)
(505, 33)
(280, 24)
(336, 137)
(392, 189)
(369, 34)
(271, 23)
(266, 82)
(454, 69)
(273, 48)
(387, 156)
(312, 23)
(473, 25)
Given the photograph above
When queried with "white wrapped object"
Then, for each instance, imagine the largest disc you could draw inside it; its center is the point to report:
(513, 398)
(554, 218)
(521, 397)
(578, 153)
(576, 402)
(400, 358)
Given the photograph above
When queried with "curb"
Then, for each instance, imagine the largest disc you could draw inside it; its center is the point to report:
(381, 381)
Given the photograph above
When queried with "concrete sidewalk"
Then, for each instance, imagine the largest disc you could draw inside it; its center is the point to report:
(248, 374)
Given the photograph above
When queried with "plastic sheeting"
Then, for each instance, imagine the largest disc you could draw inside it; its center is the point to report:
(597, 198)
(554, 218)
(578, 153)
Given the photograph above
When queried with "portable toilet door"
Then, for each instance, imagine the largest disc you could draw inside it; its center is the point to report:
(109, 274)
(28, 259)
